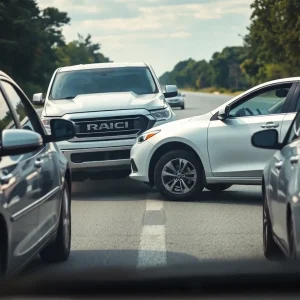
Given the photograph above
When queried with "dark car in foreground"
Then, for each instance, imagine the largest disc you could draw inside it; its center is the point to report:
(35, 183)
(281, 193)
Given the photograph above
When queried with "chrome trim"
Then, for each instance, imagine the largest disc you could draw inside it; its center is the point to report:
(108, 114)
(101, 120)
(114, 115)
(33, 205)
(108, 131)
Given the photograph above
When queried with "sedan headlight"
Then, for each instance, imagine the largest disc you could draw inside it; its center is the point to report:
(161, 115)
(146, 136)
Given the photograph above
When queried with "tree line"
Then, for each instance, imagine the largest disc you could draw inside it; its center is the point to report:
(33, 46)
(271, 50)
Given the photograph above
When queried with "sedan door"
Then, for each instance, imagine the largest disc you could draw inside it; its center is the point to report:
(20, 190)
(229, 141)
(285, 165)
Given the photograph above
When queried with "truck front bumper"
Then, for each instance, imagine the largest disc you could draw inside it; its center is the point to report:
(95, 157)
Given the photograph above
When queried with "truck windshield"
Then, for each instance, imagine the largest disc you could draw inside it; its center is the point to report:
(68, 85)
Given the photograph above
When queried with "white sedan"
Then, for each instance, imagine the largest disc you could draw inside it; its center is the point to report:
(214, 150)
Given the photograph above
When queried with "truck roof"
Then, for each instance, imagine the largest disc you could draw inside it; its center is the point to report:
(102, 66)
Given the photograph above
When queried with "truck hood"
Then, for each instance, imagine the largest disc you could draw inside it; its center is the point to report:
(103, 102)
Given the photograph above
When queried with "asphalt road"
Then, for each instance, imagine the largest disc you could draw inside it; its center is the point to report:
(124, 223)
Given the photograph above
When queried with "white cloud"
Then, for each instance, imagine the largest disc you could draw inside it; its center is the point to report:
(180, 35)
(159, 31)
(132, 24)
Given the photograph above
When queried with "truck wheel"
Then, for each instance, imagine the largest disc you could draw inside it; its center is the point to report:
(179, 175)
(59, 250)
(218, 187)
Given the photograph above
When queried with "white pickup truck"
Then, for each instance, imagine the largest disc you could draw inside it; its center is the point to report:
(111, 104)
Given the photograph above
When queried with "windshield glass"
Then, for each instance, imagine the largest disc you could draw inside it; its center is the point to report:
(68, 85)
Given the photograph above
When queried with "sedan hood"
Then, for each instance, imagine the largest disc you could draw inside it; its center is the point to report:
(173, 126)
(103, 102)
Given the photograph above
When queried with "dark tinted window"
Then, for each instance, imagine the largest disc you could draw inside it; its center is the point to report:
(15, 100)
(6, 118)
(295, 130)
(266, 102)
(110, 80)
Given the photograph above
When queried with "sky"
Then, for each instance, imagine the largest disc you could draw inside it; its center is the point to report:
(159, 32)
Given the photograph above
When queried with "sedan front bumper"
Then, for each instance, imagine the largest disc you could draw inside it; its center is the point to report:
(140, 156)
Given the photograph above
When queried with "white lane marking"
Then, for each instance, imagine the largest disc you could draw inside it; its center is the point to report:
(152, 249)
(154, 205)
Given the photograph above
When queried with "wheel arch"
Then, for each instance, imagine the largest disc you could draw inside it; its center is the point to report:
(163, 149)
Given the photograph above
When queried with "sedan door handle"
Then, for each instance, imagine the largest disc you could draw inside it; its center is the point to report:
(6, 178)
(294, 159)
(270, 125)
(278, 165)
(38, 163)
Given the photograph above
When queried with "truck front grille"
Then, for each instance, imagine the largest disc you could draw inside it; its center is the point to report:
(111, 127)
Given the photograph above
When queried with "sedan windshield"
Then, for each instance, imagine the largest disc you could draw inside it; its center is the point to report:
(68, 85)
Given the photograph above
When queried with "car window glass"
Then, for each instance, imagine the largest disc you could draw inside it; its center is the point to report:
(298, 104)
(295, 130)
(269, 101)
(6, 117)
(17, 104)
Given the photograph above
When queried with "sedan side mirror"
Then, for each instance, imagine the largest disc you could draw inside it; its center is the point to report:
(19, 141)
(38, 99)
(224, 113)
(61, 130)
(266, 139)
(170, 91)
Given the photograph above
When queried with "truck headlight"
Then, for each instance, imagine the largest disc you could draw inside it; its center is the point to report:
(46, 123)
(146, 136)
(161, 115)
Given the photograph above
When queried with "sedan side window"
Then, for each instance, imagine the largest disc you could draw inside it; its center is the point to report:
(17, 104)
(295, 130)
(6, 117)
(267, 101)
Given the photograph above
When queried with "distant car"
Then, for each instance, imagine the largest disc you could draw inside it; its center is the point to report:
(177, 101)
(214, 151)
(35, 183)
(281, 193)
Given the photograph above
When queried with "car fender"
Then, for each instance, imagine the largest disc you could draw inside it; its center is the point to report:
(201, 151)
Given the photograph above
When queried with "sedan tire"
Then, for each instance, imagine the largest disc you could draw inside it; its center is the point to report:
(179, 175)
(271, 249)
(59, 250)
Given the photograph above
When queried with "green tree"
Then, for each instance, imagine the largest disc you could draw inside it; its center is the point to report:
(273, 41)
(81, 51)
(33, 46)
